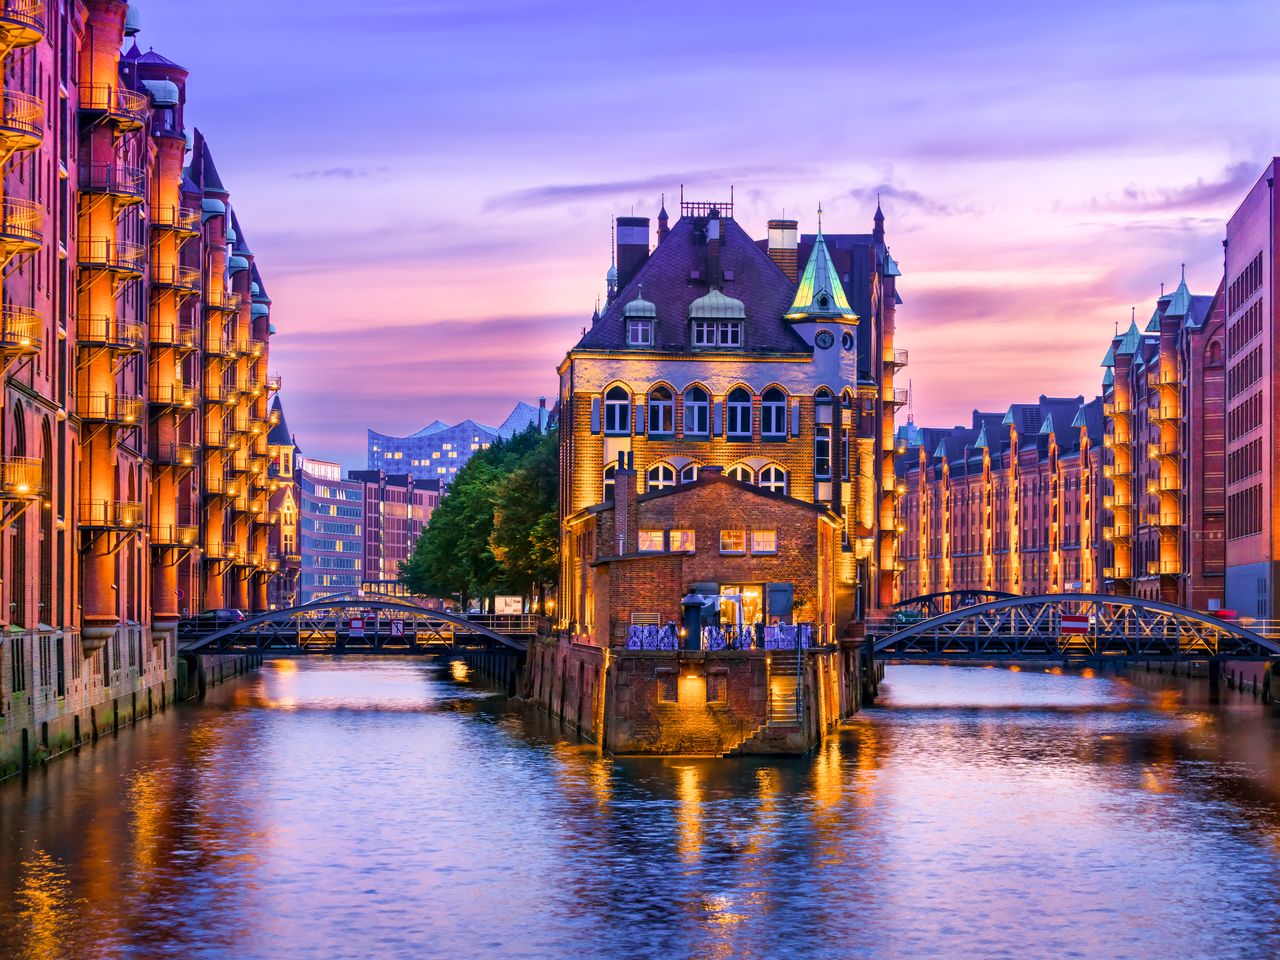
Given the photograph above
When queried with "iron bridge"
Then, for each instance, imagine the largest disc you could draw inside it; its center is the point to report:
(934, 604)
(1032, 628)
(350, 625)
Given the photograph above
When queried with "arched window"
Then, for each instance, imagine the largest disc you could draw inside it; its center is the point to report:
(689, 473)
(697, 413)
(822, 406)
(610, 473)
(617, 411)
(662, 411)
(740, 472)
(738, 409)
(660, 476)
(773, 413)
(773, 479)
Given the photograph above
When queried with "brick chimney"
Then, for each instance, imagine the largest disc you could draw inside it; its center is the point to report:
(624, 504)
(633, 247)
(714, 276)
(783, 240)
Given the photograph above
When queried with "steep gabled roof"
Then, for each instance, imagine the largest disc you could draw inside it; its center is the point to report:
(820, 292)
(279, 435)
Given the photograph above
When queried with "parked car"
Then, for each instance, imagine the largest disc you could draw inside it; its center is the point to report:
(209, 621)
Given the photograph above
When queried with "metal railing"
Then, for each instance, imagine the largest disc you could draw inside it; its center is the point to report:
(114, 179)
(175, 276)
(110, 408)
(22, 117)
(21, 330)
(173, 454)
(111, 514)
(127, 107)
(174, 335)
(110, 332)
(174, 395)
(182, 219)
(108, 253)
(27, 16)
(23, 222)
(21, 478)
(175, 535)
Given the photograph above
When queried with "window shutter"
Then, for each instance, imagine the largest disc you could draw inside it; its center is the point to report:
(717, 418)
(595, 414)
(795, 416)
(642, 413)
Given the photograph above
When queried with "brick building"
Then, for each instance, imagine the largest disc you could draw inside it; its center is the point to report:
(331, 515)
(1008, 503)
(1164, 507)
(396, 510)
(134, 334)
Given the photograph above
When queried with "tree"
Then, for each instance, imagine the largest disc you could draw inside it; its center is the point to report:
(497, 527)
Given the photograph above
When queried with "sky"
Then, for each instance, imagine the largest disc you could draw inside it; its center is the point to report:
(428, 184)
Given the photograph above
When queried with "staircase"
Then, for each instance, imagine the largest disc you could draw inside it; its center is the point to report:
(784, 688)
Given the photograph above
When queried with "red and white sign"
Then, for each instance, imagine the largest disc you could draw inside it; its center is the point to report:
(357, 627)
(397, 628)
(1074, 623)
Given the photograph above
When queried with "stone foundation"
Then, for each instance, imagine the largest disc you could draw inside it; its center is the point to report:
(690, 703)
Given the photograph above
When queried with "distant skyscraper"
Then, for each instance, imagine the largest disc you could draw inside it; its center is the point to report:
(439, 450)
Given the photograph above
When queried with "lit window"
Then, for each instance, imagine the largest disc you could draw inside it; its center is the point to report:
(733, 541)
(773, 479)
(453, 454)
(640, 332)
(697, 413)
(387, 455)
(661, 476)
(651, 541)
(399, 454)
(662, 411)
(682, 541)
(617, 411)
(738, 409)
(773, 413)
(764, 541)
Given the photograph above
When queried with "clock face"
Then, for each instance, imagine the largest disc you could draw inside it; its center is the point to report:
(824, 339)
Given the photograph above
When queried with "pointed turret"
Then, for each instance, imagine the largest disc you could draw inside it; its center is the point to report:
(878, 231)
(820, 293)
(663, 228)
(1180, 304)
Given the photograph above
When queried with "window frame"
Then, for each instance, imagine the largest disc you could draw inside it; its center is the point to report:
(617, 412)
(738, 407)
(758, 551)
(731, 551)
(662, 406)
(701, 409)
(660, 482)
(773, 405)
(638, 324)
(774, 485)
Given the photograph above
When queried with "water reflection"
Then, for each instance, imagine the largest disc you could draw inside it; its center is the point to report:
(390, 808)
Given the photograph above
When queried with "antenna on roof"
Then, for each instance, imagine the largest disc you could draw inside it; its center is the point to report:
(819, 216)
(1184, 273)
(911, 401)
(1162, 288)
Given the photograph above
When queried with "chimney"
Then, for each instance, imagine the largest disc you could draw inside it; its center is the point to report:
(624, 504)
(542, 414)
(714, 277)
(633, 247)
(783, 238)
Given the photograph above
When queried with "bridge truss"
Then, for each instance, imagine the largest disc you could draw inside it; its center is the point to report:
(1097, 627)
(936, 604)
(350, 625)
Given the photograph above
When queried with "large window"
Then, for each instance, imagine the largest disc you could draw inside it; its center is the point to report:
(640, 332)
(697, 413)
(682, 541)
(717, 333)
(822, 452)
(773, 414)
(662, 411)
(738, 411)
(661, 476)
(651, 541)
(617, 411)
(773, 479)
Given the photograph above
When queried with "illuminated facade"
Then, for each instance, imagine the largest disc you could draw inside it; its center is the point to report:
(330, 531)
(396, 510)
(134, 337)
(772, 360)
(1009, 503)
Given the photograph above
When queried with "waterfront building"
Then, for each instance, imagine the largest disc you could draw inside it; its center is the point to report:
(396, 510)
(283, 548)
(1164, 509)
(1252, 258)
(439, 450)
(1008, 503)
(330, 531)
(134, 336)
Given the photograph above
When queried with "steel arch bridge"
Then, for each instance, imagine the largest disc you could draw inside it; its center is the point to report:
(1032, 628)
(935, 604)
(326, 626)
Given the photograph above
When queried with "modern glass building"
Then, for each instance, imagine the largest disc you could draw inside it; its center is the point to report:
(330, 531)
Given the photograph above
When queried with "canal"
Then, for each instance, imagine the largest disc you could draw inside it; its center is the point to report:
(357, 808)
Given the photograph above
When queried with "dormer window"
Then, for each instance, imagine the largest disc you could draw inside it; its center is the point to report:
(717, 333)
(716, 321)
(639, 332)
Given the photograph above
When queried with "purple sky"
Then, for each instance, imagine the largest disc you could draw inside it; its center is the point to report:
(428, 185)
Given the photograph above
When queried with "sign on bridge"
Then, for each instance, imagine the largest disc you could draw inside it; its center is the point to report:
(1074, 623)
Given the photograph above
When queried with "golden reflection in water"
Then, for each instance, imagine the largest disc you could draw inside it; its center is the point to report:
(148, 800)
(283, 665)
(45, 908)
(831, 826)
(689, 813)
(459, 671)
(1088, 673)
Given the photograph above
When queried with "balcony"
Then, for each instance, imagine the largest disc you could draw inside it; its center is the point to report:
(898, 398)
(172, 276)
(222, 301)
(273, 383)
(21, 332)
(21, 122)
(898, 360)
(22, 227)
(177, 395)
(1165, 448)
(238, 346)
(170, 454)
(1166, 518)
(215, 391)
(21, 478)
(116, 256)
(21, 23)
(174, 335)
(1164, 412)
(238, 463)
(184, 220)
(125, 184)
(174, 535)
(108, 333)
(267, 518)
(124, 108)
(215, 438)
(109, 408)
(215, 344)
(1163, 567)
(111, 514)
(222, 552)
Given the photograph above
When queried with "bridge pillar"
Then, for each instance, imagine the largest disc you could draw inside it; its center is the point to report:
(1215, 681)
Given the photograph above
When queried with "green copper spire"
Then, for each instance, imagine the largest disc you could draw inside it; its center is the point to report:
(1180, 305)
(820, 294)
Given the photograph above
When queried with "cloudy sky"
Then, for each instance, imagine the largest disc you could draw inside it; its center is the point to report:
(428, 184)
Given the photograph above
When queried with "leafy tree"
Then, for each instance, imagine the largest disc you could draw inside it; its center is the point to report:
(497, 529)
